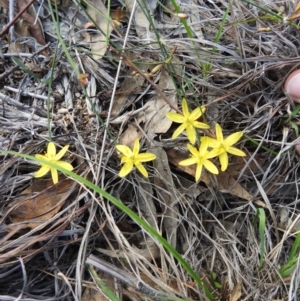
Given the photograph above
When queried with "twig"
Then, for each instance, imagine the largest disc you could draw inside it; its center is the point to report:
(22, 54)
(24, 93)
(11, 13)
(126, 278)
(13, 21)
(13, 102)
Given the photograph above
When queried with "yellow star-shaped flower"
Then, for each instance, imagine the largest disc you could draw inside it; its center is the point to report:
(201, 158)
(224, 146)
(133, 158)
(188, 121)
(52, 157)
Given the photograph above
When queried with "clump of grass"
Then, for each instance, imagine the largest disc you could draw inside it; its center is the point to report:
(293, 260)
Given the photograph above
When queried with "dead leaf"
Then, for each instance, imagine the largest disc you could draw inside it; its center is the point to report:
(155, 115)
(39, 202)
(226, 183)
(98, 40)
(33, 24)
(238, 163)
(131, 83)
(129, 136)
(236, 293)
(142, 24)
(296, 13)
(164, 180)
(229, 184)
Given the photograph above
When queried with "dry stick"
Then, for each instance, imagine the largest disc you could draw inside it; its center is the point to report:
(157, 88)
(13, 21)
(24, 93)
(35, 110)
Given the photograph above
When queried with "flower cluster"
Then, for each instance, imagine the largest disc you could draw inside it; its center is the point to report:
(220, 147)
(209, 148)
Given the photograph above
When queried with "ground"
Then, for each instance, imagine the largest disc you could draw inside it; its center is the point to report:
(81, 82)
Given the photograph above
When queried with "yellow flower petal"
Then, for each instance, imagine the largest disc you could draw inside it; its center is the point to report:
(54, 175)
(223, 161)
(193, 150)
(125, 159)
(175, 117)
(42, 171)
(196, 113)
(125, 150)
(145, 157)
(136, 147)
(142, 169)
(200, 125)
(126, 169)
(178, 131)
(235, 151)
(64, 165)
(214, 153)
(213, 143)
(219, 133)
(51, 150)
(198, 172)
(41, 157)
(189, 161)
(61, 153)
(203, 146)
(185, 108)
(191, 133)
(233, 138)
(211, 167)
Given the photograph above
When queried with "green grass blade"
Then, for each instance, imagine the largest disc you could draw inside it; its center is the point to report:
(263, 147)
(105, 289)
(261, 217)
(294, 252)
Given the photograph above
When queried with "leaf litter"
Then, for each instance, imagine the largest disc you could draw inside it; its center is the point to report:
(236, 73)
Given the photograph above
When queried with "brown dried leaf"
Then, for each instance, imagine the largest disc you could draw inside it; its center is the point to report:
(32, 23)
(39, 202)
(238, 163)
(229, 184)
(129, 136)
(98, 41)
(155, 115)
(130, 83)
(296, 13)
(142, 24)
(236, 293)
(164, 180)
(297, 9)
